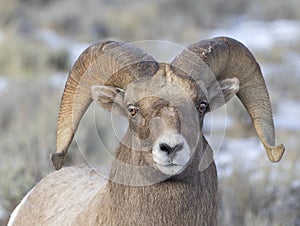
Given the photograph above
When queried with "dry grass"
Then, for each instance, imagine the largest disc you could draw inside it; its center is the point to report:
(27, 137)
(21, 58)
(28, 109)
(172, 20)
(268, 195)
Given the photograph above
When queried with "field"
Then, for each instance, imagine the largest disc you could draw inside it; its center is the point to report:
(40, 40)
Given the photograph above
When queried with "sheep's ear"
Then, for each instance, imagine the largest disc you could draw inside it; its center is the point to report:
(221, 92)
(110, 98)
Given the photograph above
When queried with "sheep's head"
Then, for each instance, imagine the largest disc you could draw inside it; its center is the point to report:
(165, 113)
(165, 104)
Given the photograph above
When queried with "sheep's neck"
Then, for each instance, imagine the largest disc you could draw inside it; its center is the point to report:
(171, 200)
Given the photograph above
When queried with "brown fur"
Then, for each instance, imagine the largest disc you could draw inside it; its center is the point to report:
(171, 93)
(69, 190)
(69, 197)
(78, 196)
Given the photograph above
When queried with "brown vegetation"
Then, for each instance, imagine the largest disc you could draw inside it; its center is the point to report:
(29, 107)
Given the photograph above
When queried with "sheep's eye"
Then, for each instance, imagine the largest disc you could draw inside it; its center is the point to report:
(132, 110)
(202, 107)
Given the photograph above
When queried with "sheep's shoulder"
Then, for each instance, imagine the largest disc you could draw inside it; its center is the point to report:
(60, 197)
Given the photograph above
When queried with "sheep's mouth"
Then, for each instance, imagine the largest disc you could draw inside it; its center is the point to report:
(168, 165)
(170, 169)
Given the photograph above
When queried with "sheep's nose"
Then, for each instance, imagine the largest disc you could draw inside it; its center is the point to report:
(170, 149)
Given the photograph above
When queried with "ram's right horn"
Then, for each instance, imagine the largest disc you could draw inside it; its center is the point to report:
(226, 57)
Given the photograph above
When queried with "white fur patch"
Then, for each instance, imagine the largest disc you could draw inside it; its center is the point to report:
(14, 214)
(175, 163)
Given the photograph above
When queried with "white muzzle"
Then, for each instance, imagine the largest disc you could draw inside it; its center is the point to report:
(171, 153)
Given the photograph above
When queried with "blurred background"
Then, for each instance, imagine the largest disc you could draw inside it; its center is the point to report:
(41, 39)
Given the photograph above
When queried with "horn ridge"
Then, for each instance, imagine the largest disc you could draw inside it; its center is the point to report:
(224, 57)
(104, 63)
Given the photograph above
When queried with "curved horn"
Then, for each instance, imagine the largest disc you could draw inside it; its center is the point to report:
(105, 63)
(226, 57)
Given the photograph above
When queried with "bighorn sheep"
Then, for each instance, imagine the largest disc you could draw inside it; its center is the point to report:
(155, 177)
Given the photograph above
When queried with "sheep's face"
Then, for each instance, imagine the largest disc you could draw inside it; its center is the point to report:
(165, 113)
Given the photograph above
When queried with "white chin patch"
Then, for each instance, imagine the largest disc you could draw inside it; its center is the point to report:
(170, 169)
(172, 162)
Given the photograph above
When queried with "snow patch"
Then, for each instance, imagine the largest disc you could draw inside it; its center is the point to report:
(259, 35)
(296, 184)
(287, 116)
(3, 84)
(292, 59)
(58, 79)
(57, 41)
(244, 152)
(2, 214)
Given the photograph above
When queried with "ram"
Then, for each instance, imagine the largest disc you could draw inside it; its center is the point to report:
(155, 178)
